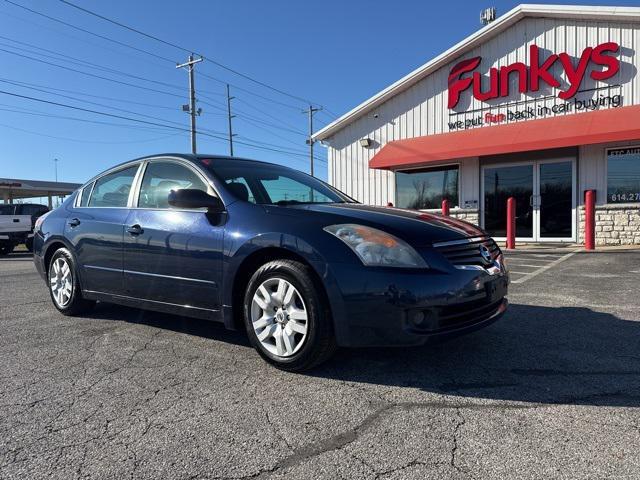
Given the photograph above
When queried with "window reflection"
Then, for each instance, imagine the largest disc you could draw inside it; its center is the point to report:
(424, 189)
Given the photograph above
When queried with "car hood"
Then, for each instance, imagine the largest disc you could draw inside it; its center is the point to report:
(416, 227)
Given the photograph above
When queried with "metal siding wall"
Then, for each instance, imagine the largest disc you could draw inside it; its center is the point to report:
(469, 181)
(421, 110)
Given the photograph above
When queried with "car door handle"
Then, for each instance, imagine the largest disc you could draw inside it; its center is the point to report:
(135, 230)
(74, 222)
(16, 220)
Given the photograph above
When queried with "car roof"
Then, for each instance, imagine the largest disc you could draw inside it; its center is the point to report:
(189, 157)
(195, 158)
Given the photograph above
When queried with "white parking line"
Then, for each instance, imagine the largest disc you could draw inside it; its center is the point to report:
(538, 255)
(527, 264)
(529, 276)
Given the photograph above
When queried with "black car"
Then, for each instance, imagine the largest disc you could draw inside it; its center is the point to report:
(298, 264)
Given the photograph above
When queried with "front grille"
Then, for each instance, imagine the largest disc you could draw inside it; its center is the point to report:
(467, 252)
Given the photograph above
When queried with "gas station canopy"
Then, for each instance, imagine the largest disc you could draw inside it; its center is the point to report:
(12, 189)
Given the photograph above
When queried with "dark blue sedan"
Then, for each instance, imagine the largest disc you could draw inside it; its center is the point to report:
(303, 267)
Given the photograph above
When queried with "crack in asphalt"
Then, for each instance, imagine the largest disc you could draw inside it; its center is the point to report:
(454, 448)
(341, 440)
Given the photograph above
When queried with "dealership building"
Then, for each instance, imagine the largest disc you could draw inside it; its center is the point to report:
(541, 105)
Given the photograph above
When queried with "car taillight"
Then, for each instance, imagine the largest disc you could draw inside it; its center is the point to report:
(39, 220)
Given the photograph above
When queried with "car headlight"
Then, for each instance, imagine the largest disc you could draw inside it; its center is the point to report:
(377, 248)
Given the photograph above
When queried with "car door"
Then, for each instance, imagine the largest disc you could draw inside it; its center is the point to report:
(173, 256)
(95, 227)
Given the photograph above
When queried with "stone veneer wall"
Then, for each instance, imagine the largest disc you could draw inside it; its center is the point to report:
(468, 215)
(615, 225)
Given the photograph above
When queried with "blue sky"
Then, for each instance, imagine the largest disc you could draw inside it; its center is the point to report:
(334, 53)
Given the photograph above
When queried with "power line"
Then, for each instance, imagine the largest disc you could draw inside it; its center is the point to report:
(122, 25)
(269, 131)
(95, 103)
(160, 57)
(237, 87)
(82, 62)
(86, 63)
(84, 94)
(89, 32)
(38, 113)
(79, 140)
(250, 105)
(119, 52)
(91, 74)
(96, 112)
(242, 114)
(184, 49)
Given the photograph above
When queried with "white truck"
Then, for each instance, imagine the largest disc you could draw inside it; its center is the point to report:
(16, 225)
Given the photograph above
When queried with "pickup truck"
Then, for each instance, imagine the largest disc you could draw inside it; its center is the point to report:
(16, 225)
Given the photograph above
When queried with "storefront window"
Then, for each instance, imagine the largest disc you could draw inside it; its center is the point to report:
(623, 175)
(424, 189)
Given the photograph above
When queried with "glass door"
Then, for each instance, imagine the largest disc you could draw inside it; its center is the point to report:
(498, 184)
(545, 200)
(556, 201)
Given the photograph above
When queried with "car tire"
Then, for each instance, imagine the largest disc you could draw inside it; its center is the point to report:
(6, 249)
(286, 316)
(64, 285)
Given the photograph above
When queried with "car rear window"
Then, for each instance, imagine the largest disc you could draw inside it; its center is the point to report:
(7, 209)
(112, 190)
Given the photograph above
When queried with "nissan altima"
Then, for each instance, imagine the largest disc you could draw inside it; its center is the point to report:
(300, 265)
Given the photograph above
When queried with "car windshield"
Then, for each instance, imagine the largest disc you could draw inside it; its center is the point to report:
(272, 184)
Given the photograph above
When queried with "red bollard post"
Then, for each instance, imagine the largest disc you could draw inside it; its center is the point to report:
(511, 223)
(445, 207)
(589, 219)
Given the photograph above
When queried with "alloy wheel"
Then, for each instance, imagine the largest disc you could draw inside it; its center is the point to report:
(61, 281)
(279, 317)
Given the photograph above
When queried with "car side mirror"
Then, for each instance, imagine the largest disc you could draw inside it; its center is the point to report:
(193, 198)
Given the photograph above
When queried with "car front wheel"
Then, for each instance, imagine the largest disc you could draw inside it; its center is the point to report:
(285, 317)
(64, 286)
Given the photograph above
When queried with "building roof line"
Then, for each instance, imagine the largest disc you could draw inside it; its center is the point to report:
(470, 42)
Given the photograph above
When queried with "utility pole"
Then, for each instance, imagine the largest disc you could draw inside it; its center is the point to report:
(310, 141)
(191, 108)
(231, 135)
(55, 166)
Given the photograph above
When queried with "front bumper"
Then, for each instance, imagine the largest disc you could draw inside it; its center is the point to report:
(392, 307)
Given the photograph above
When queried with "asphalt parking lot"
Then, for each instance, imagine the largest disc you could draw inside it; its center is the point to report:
(550, 391)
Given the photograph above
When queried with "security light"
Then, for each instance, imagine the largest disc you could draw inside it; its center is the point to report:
(365, 142)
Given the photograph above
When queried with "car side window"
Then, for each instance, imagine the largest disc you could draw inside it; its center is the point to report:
(112, 190)
(84, 197)
(162, 177)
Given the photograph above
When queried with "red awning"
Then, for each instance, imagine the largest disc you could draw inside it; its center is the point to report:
(612, 125)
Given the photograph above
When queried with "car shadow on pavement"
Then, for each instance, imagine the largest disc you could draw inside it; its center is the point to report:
(566, 355)
(165, 321)
(556, 355)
